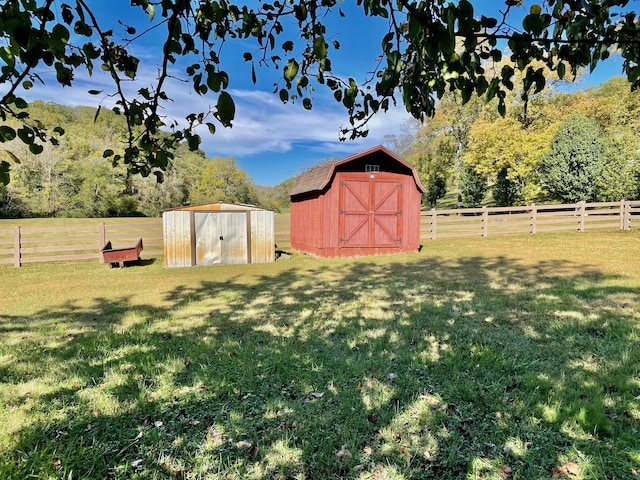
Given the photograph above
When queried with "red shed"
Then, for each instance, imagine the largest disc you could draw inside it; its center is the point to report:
(366, 204)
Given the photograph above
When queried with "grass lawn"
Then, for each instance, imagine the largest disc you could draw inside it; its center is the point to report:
(505, 357)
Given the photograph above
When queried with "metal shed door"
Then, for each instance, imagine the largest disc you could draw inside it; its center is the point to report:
(221, 238)
(370, 213)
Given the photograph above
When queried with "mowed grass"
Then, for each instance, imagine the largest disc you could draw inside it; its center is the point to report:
(505, 357)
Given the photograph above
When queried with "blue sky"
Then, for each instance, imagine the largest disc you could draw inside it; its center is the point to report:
(269, 140)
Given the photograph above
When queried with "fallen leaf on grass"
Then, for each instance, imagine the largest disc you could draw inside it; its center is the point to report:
(243, 445)
(506, 470)
(565, 470)
(311, 396)
(344, 452)
(429, 456)
(253, 451)
(57, 463)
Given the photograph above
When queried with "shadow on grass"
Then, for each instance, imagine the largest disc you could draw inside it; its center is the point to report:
(414, 369)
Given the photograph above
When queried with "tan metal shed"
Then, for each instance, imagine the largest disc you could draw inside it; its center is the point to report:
(218, 233)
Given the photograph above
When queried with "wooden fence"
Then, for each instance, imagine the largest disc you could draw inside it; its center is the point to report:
(20, 245)
(485, 221)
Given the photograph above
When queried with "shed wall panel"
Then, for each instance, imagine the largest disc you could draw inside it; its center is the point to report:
(262, 236)
(306, 221)
(176, 228)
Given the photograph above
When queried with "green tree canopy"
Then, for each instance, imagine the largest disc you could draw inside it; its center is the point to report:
(430, 47)
(577, 157)
(222, 180)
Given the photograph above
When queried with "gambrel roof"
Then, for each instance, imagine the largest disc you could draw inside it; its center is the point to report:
(319, 177)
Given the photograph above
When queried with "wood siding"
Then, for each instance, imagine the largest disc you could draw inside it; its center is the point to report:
(361, 213)
(366, 204)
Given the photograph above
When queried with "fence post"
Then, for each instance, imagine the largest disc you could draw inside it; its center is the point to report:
(622, 214)
(627, 215)
(485, 222)
(581, 205)
(434, 217)
(102, 237)
(17, 247)
(533, 222)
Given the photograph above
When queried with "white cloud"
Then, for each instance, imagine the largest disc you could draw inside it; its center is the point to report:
(263, 124)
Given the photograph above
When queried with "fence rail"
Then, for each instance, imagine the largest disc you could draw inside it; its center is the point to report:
(21, 245)
(485, 221)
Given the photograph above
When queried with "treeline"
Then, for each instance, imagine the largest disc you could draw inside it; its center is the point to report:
(562, 147)
(559, 146)
(74, 180)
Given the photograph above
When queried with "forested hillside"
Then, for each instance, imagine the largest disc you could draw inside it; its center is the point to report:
(560, 146)
(73, 179)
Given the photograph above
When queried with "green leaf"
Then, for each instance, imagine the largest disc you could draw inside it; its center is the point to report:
(4, 172)
(60, 34)
(151, 10)
(488, 22)
(212, 128)
(247, 56)
(287, 46)
(226, 109)
(320, 48)
(291, 70)
(533, 24)
(107, 153)
(492, 90)
(36, 149)
(26, 135)
(20, 103)
(561, 69)
(6, 133)
(194, 142)
(284, 95)
(306, 103)
(59, 130)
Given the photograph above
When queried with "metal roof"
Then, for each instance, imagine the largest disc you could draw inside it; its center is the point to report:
(215, 206)
(319, 177)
